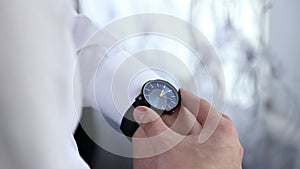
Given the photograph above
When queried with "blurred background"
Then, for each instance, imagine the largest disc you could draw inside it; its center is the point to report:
(257, 42)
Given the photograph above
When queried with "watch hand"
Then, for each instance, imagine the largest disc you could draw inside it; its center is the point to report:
(161, 93)
(166, 92)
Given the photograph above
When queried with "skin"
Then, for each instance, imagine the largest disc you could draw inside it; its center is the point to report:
(196, 136)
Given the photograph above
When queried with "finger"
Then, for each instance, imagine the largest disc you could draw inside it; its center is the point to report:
(207, 115)
(199, 107)
(182, 122)
(149, 121)
(186, 122)
(226, 117)
(161, 137)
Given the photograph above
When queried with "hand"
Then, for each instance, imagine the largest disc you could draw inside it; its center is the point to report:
(195, 137)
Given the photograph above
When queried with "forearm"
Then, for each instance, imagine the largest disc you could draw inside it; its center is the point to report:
(107, 68)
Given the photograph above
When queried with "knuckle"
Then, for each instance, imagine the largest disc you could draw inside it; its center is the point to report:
(241, 151)
(226, 126)
(152, 128)
(226, 117)
(203, 101)
(148, 126)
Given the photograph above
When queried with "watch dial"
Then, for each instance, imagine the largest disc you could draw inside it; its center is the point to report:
(161, 94)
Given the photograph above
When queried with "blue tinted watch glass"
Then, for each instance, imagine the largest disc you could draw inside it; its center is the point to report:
(160, 95)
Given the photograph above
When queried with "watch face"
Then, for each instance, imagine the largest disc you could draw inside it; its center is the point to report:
(160, 94)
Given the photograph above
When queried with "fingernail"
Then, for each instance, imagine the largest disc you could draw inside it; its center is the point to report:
(139, 113)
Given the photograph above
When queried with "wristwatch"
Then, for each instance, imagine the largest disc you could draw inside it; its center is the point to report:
(159, 95)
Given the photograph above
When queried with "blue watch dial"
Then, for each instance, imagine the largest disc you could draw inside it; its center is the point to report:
(160, 94)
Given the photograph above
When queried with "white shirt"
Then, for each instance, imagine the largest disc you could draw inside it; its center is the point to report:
(38, 112)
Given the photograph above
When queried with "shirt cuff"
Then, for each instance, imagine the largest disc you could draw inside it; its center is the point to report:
(102, 89)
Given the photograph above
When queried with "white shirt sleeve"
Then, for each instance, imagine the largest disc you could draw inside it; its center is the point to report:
(100, 97)
(37, 107)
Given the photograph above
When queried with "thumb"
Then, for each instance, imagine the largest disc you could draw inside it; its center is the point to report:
(149, 121)
(160, 138)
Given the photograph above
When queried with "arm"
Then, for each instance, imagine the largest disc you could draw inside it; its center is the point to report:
(98, 72)
(37, 114)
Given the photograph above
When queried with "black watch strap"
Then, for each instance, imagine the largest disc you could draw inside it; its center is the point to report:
(128, 124)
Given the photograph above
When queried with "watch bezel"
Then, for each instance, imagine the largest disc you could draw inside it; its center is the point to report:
(177, 95)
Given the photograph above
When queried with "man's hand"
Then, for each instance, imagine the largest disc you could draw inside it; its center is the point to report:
(196, 136)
